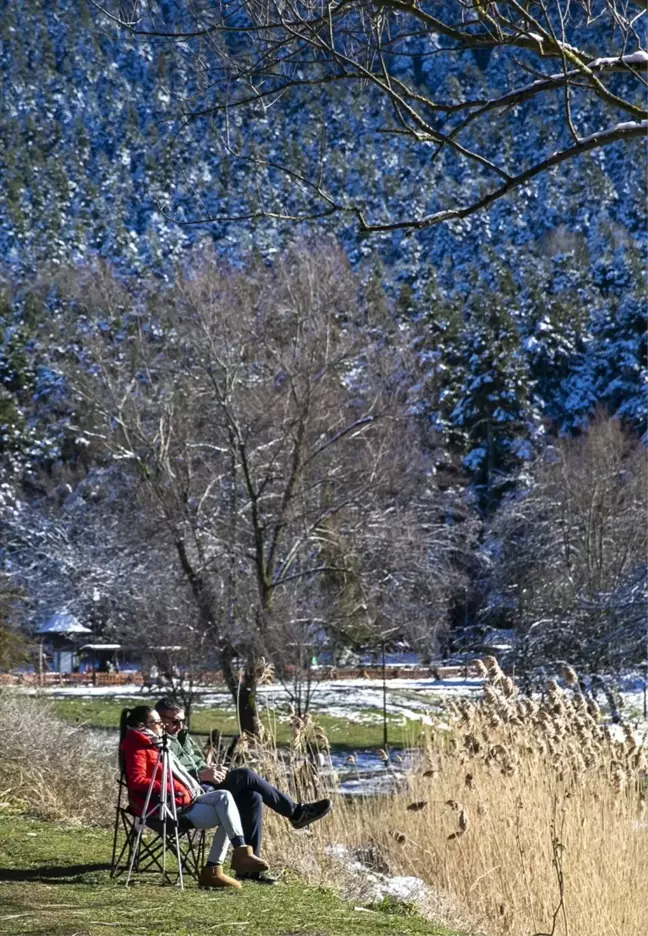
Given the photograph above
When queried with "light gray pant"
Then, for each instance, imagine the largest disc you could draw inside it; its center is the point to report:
(216, 808)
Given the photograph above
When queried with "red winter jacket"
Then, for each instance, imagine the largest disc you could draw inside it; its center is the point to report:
(140, 756)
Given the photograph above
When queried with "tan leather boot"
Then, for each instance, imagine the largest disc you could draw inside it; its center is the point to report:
(244, 860)
(216, 877)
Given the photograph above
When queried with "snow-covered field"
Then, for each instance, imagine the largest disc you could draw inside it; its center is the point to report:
(357, 700)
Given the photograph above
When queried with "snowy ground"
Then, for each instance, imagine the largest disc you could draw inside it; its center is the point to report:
(359, 700)
(356, 700)
(367, 884)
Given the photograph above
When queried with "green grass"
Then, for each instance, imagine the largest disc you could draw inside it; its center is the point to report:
(104, 712)
(54, 881)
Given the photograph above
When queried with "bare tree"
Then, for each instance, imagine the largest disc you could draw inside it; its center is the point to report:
(255, 410)
(164, 629)
(85, 545)
(570, 557)
(14, 648)
(585, 59)
(408, 551)
(69, 546)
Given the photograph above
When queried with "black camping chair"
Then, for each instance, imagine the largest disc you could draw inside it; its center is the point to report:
(150, 856)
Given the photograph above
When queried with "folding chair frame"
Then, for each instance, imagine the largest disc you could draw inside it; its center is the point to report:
(150, 853)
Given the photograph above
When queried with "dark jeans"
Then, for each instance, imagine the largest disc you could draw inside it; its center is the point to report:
(251, 792)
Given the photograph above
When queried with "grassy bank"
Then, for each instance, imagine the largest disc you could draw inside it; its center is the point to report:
(54, 880)
(104, 712)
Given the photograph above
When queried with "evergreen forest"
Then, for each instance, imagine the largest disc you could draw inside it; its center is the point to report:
(266, 433)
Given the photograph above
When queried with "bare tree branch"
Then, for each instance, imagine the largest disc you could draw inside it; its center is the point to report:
(248, 57)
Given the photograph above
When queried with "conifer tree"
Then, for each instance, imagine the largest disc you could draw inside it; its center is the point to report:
(611, 371)
(492, 420)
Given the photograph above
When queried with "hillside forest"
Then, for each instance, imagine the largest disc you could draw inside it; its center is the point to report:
(236, 423)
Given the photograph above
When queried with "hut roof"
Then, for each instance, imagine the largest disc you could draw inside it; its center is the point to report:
(62, 623)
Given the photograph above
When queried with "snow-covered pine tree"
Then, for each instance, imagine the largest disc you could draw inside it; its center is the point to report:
(555, 295)
(492, 419)
(611, 371)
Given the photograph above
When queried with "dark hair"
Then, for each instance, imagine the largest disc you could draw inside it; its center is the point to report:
(132, 717)
(168, 704)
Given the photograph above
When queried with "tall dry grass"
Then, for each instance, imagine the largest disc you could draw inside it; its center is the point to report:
(51, 769)
(529, 817)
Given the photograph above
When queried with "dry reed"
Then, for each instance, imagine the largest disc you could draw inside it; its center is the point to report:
(51, 769)
(530, 817)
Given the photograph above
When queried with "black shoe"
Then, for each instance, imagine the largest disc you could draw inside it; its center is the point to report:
(310, 812)
(258, 877)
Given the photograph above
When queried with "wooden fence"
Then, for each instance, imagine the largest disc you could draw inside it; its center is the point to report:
(137, 678)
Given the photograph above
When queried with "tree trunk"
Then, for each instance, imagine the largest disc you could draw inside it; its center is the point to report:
(247, 710)
(243, 687)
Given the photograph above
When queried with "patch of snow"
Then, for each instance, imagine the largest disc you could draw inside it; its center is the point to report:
(635, 58)
(374, 885)
(406, 888)
(618, 128)
(127, 690)
(363, 884)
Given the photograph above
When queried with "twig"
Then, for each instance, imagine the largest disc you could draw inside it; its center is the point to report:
(557, 848)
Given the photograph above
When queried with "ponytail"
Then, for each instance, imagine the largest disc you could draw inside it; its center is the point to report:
(123, 723)
(131, 718)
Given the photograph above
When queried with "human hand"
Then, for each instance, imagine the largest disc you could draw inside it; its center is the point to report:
(213, 774)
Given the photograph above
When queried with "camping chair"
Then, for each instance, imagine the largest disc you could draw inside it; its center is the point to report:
(155, 845)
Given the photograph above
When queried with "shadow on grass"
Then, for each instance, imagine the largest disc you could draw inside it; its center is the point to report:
(53, 874)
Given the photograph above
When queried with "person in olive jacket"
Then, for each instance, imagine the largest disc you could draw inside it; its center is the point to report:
(250, 791)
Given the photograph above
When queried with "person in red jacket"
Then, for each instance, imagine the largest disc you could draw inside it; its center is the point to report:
(141, 741)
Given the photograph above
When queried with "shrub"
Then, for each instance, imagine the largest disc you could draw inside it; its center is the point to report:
(51, 769)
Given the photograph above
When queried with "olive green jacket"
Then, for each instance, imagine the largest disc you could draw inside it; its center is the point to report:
(187, 752)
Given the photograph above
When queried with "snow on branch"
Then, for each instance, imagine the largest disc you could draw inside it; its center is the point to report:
(262, 60)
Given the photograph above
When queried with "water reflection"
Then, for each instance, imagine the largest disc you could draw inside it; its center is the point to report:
(368, 773)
